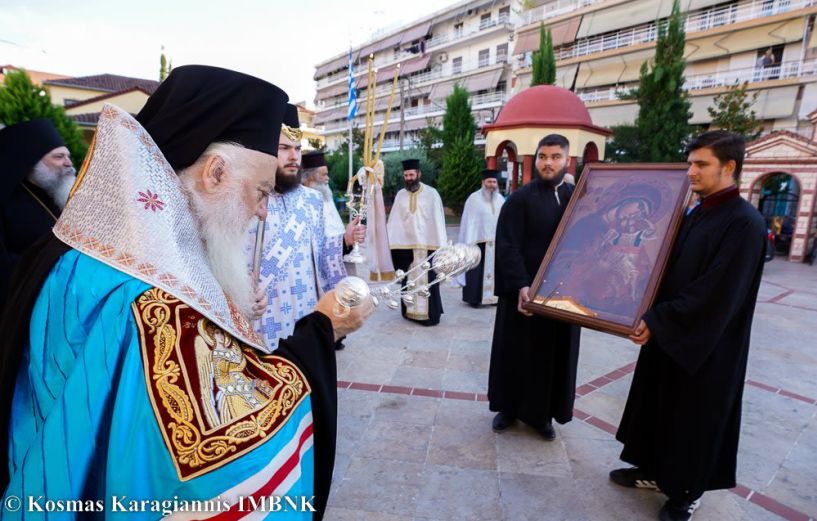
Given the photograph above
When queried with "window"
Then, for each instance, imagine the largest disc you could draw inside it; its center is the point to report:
(457, 29)
(505, 15)
(501, 86)
(456, 65)
(485, 21)
(502, 53)
(484, 57)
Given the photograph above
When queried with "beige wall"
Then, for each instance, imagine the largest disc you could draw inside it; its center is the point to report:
(59, 94)
(131, 102)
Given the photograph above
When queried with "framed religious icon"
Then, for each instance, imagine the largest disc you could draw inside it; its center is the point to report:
(605, 261)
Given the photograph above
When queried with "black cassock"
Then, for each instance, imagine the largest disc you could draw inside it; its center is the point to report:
(311, 348)
(26, 214)
(472, 291)
(533, 359)
(682, 419)
(402, 260)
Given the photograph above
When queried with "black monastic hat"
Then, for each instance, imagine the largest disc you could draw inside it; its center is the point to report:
(22, 146)
(411, 164)
(313, 159)
(490, 173)
(198, 105)
(291, 117)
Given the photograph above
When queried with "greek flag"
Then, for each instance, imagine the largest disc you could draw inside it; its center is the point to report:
(350, 115)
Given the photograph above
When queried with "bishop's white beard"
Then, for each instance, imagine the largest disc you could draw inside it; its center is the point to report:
(223, 228)
(488, 194)
(56, 183)
(324, 189)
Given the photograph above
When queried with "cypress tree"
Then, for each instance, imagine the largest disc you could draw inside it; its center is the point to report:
(461, 163)
(663, 103)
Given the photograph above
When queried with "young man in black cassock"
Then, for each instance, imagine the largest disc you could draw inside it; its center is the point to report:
(682, 419)
(533, 359)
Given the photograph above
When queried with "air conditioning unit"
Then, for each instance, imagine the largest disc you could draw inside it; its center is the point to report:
(442, 57)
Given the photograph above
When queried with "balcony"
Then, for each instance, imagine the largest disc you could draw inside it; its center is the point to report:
(554, 9)
(695, 22)
(783, 71)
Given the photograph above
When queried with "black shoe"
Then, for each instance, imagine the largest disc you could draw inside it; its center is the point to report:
(339, 345)
(548, 432)
(632, 477)
(678, 510)
(502, 421)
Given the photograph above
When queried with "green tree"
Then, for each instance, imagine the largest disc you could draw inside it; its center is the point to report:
(548, 59)
(393, 165)
(544, 60)
(21, 100)
(317, 144)
(663, 103)
(623, 146)
(337, 162)
(429, 140)
(732, 111)
(538, 72)
(165, 66)
(460, 174)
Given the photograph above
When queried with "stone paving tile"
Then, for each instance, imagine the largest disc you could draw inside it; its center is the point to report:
(607, 402)
(417, 377)
(522, 450)
(343, 514)
(795, 484)
(465, 381)
(417, 410)
(771, 426)
(380, 485)
(453, 493)
(395, 441)
(468, 446)
(426, 359)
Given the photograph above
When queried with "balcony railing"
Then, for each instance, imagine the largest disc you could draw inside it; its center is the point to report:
(554, 9)
(695, 22)
(782, 71)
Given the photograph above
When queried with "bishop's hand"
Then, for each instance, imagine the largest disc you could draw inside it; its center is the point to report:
(349, 321)
(355, 232)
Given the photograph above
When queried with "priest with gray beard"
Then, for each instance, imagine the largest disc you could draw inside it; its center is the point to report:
(37, 176)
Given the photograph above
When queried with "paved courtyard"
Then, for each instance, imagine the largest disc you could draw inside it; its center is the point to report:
(415, 439)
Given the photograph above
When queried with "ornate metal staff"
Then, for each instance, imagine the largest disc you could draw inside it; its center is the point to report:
(448, 262)
(358, 203)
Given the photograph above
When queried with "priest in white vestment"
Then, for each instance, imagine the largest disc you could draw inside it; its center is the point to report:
(416, 228)
(478, 226)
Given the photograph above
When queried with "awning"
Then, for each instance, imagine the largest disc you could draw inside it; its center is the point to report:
(526, 42)
(613, 114)
(330, 115)
(483, 81)
(414, 124)
(416, 33)
(561, 33)
(744, 40)
(443, 90)
(337, 63)
(383, 102)
(770, 104)
(565, 76)
(414, 65)
(390, 42)
(612, 71)
(638, 12)
(333, 90)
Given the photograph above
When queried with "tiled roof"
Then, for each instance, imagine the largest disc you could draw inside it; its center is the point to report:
(86, 120)
(107, 83)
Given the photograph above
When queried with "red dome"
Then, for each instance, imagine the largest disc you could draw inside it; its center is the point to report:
(545, 106)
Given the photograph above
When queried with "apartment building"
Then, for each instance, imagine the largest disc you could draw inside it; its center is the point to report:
(601, 44)
(466, 44)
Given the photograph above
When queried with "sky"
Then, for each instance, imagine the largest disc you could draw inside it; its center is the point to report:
(275, 40)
